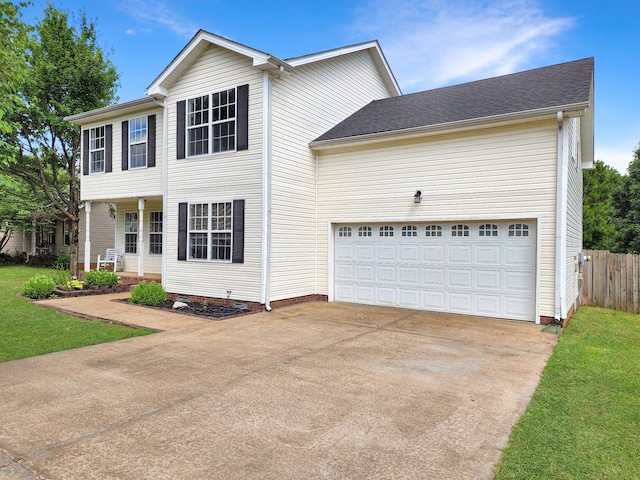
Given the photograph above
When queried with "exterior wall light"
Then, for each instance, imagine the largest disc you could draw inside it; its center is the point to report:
(417, 197)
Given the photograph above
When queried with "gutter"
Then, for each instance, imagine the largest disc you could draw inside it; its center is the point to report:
(562, 186)
(266, 191)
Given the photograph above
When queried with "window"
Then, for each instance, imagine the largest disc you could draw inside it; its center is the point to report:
(488, 230)
(409, 231)
(364, 231)
(131, 232)
(210, 229)
(433, 231)
(386, 231)
(460, 231)
(66, 237)
(155, 233)
(518, 230)
(344, 231)
(96, 150)
(211, 117)
(138, 142)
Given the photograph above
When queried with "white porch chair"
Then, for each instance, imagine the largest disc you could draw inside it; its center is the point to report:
(111, 257)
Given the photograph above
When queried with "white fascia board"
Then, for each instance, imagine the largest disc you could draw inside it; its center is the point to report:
(196, 46)
(451, 127)
(111, 111)
(376, 52)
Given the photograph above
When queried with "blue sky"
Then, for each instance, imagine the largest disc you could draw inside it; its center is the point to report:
(428, 43)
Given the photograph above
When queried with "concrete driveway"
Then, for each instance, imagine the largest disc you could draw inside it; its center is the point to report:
(315, 390)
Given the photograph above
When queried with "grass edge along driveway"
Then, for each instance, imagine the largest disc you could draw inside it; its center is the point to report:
(584, 418)
(27, 330)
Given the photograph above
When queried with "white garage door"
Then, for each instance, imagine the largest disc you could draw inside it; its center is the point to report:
(475, 268)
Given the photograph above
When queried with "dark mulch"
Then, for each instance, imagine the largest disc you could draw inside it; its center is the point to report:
(212, 311)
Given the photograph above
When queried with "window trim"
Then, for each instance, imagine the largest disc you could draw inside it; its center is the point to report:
(144, 141)
(153, 233)
(211, 232)
(136, 233)
(93, 137)
(209, 126)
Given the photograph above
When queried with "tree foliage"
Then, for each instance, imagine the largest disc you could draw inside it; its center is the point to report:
(68, 73)
(599, 213)
(627, 202)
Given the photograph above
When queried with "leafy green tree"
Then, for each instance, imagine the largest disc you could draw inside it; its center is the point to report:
(627, 202)
(599, 226)
(14, 39)
(68, 74)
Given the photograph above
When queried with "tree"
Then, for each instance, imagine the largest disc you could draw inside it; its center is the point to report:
(627, 202)
(599, 226)
(68, 74)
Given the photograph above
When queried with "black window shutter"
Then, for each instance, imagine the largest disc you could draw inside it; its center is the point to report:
(181, 128)
(238, 231)
(151, 141)
(182, 231)
(85, 152)
(108, 140)
(125, 145)
(242, 119)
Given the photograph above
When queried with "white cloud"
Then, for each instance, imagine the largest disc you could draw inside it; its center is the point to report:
(130, 31)
(161, 15)
(431, 43)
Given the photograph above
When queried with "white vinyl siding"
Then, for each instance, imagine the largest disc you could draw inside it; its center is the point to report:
(132, 183)
(226, 176)
(492, 173)
(574, 210)
(307, 103)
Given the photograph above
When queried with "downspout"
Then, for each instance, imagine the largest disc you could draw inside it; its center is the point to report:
(165, 203)
(561, 222)
(266, 191)
(315, 267)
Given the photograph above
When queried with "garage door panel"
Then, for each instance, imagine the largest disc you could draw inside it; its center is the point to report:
(460, 254)
(458, 277)
(433, 254)
(490, 272)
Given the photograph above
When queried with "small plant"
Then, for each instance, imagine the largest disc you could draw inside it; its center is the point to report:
(61, 277)
(99, 278)
(151, 294)
(38, 286)
(63, 262)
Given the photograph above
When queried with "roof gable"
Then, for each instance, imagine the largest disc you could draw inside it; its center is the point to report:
(566, 86)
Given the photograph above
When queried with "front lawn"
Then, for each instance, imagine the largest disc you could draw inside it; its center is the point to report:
(584, 419)
(27, 329)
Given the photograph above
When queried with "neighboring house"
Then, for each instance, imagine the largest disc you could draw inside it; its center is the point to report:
(271, 182)
(55, 239)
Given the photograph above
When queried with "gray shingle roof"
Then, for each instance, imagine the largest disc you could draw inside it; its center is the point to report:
(555, 86)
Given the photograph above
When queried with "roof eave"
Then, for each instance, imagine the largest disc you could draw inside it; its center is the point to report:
(577, 109)
(111, 111)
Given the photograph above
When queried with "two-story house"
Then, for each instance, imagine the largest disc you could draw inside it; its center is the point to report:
(272, 181)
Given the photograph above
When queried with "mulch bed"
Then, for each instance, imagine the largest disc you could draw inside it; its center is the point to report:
(205, 311)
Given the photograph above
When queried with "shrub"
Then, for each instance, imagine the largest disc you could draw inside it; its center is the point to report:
(63, 262)
(99, 278)
(39, 286)
(151, 294)
(64, 281)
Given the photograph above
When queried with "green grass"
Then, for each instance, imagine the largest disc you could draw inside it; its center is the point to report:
(27, 329)
(584, 419)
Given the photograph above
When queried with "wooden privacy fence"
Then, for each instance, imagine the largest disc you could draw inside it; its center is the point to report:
(611, 280)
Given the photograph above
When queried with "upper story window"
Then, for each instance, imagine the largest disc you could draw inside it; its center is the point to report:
(344, 231)
(211, 123)
(138, 142)
(488, 230)
(364, 231)
(409, 231)
(386, 231)
(460, 231)
(433, 231)
(96, 149)
(518, 230)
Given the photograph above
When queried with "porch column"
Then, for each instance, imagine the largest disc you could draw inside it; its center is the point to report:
(87, 237)
(141, 202)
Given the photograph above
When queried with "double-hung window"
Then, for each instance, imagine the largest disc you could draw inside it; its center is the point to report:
(211, 123)
(138, 142)
(96, 149)
(155, 233)
(210, 231)
(131, 232)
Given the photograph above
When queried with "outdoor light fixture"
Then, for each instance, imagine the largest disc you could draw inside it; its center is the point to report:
(417, 197)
